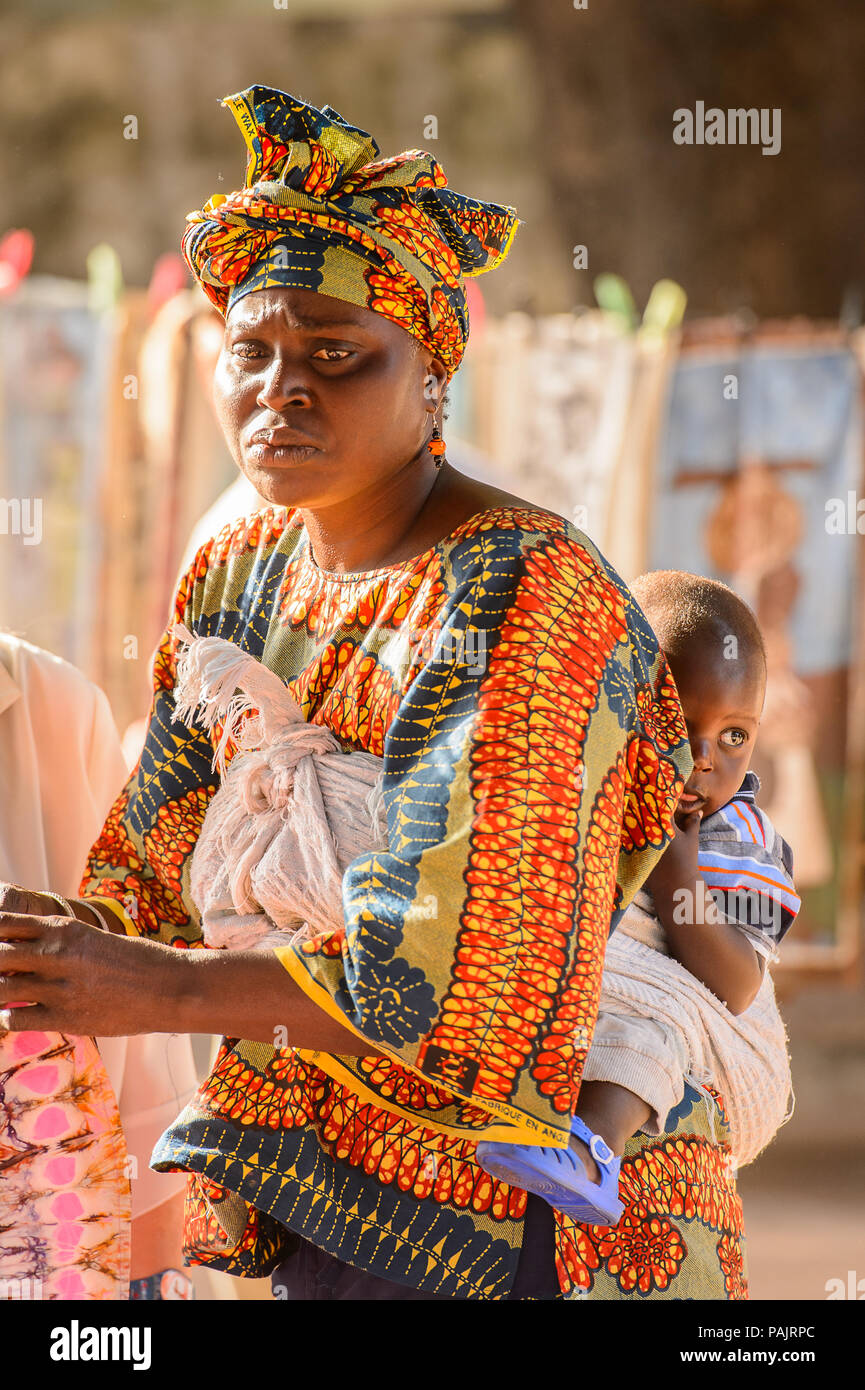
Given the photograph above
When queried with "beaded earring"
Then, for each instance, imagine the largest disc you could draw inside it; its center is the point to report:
(437, 446)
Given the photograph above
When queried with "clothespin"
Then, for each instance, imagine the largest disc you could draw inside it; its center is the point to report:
(16, 258)
(105, 278)
(664, 310)
(169, 277)
(614, 297)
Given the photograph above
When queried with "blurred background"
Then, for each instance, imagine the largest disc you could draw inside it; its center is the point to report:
(672, 357)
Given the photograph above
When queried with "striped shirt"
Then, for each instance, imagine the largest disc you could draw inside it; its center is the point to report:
(748, 868)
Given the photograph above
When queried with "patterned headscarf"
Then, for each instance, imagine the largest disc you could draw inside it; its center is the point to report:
(321, 212)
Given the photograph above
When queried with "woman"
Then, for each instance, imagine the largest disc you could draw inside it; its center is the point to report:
(528, 792)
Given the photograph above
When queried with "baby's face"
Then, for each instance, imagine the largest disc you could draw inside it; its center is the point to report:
(722, 703)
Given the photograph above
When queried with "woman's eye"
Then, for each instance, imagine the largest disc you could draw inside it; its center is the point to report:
(333, 354)
(247, 351)
(734, 738)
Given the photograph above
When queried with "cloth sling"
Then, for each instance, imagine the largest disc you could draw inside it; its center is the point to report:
(293, 810)
(743, 1056)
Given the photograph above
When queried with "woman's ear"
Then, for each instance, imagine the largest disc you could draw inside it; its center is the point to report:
(435, 382)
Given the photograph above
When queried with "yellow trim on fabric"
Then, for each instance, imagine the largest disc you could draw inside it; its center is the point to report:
(503, 1133)
(491, 265)
(244, 114)
(516, 1128)
(287, 958)
(117, 908)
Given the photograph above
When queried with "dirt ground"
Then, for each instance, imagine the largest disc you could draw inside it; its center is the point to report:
(804, 1198)
(805, 1223)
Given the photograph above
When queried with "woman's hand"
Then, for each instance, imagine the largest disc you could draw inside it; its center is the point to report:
(14, 898)
(76, 979)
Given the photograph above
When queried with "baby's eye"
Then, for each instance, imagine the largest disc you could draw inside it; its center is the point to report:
(734, 738)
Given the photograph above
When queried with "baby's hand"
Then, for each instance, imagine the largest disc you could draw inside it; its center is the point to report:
(678, 863)
(688, 822)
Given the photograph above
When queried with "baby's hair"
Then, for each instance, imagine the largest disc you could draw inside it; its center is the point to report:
(685, 609)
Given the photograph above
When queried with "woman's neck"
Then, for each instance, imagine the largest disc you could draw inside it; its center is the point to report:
(371, 530)
(368, 533)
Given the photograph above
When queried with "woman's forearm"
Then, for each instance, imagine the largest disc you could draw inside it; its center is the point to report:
(248, 994)
(106, 984)
(238, 994)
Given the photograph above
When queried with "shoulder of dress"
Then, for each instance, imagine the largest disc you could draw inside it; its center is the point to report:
(263, 527)
(262, 523)
(527, 519)
(525, 531)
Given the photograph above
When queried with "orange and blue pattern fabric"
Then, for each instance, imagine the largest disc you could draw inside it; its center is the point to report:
(320, 211)
(534, 751)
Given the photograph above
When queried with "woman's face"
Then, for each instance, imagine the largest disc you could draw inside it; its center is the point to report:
(320, 400)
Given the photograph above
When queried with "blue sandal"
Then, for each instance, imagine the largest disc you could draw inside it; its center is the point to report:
(559, 1176)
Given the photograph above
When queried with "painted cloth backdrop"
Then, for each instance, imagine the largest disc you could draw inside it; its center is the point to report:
(761, 447)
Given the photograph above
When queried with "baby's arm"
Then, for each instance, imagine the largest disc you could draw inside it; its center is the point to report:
(715, 952)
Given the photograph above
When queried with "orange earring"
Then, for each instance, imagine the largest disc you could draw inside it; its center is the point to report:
(437, 446)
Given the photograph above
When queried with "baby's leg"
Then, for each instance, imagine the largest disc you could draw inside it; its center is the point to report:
(611, 1111)
(633, 1076)
(627, 1052)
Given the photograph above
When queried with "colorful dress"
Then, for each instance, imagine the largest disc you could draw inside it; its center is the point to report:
(534, 752)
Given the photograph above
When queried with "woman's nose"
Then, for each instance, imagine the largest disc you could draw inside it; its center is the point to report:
(283, 385)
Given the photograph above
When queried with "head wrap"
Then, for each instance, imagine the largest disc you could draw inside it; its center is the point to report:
(321, 211)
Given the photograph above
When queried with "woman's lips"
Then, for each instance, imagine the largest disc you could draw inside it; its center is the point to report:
(281, 455)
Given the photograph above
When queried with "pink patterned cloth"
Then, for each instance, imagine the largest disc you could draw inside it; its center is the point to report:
(64, 1182)
(64, 1179)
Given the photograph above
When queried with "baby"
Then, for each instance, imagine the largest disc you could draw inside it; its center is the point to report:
(718, 901)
